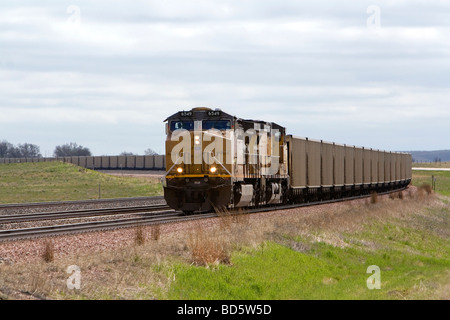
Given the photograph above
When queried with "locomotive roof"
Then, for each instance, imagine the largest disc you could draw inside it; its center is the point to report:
(273, 124)
(199, 111)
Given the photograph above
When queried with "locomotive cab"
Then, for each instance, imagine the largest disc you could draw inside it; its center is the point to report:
(198, 176)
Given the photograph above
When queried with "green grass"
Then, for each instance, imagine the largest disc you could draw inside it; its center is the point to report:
(325, 272)
(56, 181)
(442, 180)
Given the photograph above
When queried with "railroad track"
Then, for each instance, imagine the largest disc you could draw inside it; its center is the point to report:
(168, 216)
(80, 213)
(163, 217)
(75, 202)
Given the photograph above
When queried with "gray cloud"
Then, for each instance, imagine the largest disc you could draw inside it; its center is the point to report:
(113, 73)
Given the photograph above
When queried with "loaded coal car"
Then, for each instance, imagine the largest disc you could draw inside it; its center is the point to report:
(216, 160)
(325, 171)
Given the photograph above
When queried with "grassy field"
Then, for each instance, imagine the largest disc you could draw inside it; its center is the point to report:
(322, 272)
(55, 181)
(320, 253)
(316, 259)
(442, 184)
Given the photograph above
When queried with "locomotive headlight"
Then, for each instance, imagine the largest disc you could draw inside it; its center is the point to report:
(213, 169)
(180, 170)
(197, 139)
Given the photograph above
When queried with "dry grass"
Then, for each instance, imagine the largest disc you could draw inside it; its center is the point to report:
(400, 195)
(155, 232)
(373, 197)
(426, 188)
(208, 249)
(139, 235)
(241, 217)
(48, 254)
(121, 274)
(225, 217)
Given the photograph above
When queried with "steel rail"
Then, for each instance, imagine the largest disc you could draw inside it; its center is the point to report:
(163, 217)
(75, 202)
(79, 213)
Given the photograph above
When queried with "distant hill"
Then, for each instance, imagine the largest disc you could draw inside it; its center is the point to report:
(430, 156)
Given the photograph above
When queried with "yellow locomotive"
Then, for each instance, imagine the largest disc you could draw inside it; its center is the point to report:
(216, 160)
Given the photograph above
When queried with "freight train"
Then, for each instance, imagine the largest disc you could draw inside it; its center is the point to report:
(216, 160)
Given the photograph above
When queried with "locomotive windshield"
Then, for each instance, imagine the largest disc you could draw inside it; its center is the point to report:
(216, 124)
(206, 125)
(187, 125)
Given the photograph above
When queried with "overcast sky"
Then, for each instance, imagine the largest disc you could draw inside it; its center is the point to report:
(105, 74)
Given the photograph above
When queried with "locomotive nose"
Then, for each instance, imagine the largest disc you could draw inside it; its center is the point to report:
(197, 194)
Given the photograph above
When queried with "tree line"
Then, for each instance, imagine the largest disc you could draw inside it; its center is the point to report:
(28, 150)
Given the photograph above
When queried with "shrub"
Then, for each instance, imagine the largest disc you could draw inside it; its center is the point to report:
(139, 235)
(426, 187)
(225, 216)
(373, 197)
(208, 250)
(155, 232)
(48, 254)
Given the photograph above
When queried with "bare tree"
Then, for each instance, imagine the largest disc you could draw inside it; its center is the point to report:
(5, 149)
(150, 152)
(71, 149)
(125, 153)
(26, 150)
